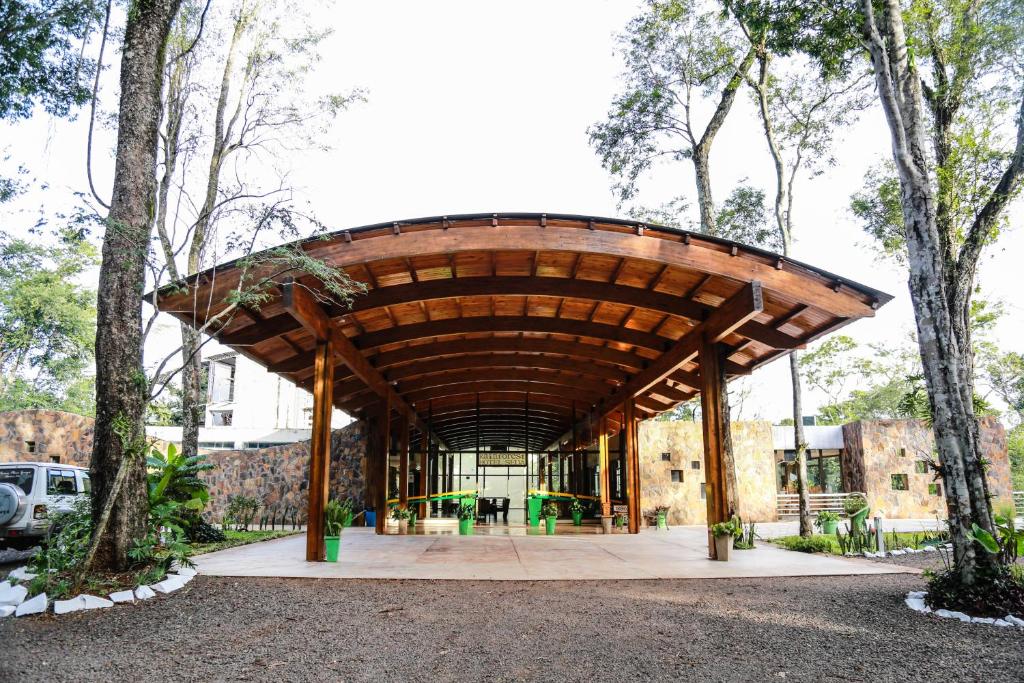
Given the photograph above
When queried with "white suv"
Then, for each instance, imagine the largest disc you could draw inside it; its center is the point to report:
(32, 491)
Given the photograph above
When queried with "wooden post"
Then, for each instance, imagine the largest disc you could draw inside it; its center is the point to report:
(382, 466)
(403, 461)
(715, 426)
(632, 465)
(423, 511)
(319, 451)
(602, 446)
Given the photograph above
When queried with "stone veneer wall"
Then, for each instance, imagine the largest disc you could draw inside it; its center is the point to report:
(279, 477)
(873, 455)
(755, 470)
(55, 433)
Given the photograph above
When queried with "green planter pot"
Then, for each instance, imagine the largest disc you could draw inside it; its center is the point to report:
(465, 527)
(829, 527)
(662, 521)
(332, 544)
(549, 525)
(533, 506)
(577, 518)
(412, 521)
(858, 519)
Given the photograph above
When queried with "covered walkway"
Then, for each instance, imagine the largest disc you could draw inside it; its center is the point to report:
(680, 553)
(540, 337)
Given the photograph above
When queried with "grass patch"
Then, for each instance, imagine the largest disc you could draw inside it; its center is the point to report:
(237, 538)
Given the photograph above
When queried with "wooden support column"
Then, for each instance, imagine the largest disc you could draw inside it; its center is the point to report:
(602, 448)
(632, 465)
(423, 511)
(715, 422)
(319, 451)
(403, 461)
(382, 466)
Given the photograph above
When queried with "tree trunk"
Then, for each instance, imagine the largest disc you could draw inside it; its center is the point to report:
(192, 406)
(800, 443)
(946, 367)
(705, 201)
(121, 391)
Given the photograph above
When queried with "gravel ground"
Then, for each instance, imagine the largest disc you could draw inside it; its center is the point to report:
(815, 629)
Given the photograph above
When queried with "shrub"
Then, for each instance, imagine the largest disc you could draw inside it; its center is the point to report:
(550, 510)
(202, 531)
(995, 592)
(241, 511)
(63, 551)
(806, 544)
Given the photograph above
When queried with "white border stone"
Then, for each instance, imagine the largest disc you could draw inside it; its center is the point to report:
(915, 601)
(36, 605)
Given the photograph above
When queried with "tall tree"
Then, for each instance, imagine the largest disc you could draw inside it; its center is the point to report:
(47, 324)
(258, 109)
(680, 56)
(964, 47)
(800, 114)
(118, 467)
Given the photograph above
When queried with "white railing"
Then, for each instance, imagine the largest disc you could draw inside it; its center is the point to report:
(1018, 502)
(788, 504)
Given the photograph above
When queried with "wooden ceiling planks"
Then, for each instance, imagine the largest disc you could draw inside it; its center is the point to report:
(552, 307)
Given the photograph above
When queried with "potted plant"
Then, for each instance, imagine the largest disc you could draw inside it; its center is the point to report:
(856, 508)
(724, 533)
(576, 510)
(467, 513)
(827, 521)
(401, 516)
(348, 512)
(662, 513)
(334, 522)
(412, 517)
(550, 518)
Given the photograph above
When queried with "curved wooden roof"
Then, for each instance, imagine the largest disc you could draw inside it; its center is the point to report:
(490, 318)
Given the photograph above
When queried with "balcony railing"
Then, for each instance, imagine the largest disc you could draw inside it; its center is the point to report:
(788, 504)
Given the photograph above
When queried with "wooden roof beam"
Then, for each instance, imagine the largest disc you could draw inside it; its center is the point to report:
(301, 304)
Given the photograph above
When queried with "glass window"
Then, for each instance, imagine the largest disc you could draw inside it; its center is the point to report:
(900, 482)
(30, 446)
(677, 476)
(921, 467)
(695, 464)
(666, 457)
(703, 491)
(935, 489)
(86, 483)
(61, 483)
(22, 477)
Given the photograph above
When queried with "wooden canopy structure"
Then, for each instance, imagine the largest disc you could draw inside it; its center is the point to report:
(522, 330)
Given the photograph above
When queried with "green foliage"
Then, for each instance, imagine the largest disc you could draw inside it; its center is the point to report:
(824, 517)
(1015, 446)
(234, 539)
(62, 553)
(240, 512)
(334, 517)
(854, 504)
(467, 511)
(401, 514)
(48, 324)
(724, 528)
(1007, 542)
(996, 592)
(550, 509)
(41, 55)
(806, 544)
(744, 217)
(576, 506)
(675, 51)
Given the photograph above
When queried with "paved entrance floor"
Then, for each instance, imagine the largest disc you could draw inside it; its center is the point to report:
(679, 553)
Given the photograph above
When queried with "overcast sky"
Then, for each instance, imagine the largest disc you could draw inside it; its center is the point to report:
(484, 106)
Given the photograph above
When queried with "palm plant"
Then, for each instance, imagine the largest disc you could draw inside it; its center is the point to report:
(174, 477)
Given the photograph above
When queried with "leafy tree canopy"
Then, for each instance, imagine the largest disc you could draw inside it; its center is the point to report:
(41, 55)
(47, 324)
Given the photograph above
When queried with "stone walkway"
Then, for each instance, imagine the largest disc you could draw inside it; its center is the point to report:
(679, 553)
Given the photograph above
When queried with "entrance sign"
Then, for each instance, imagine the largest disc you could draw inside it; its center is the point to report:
(501, 460)
(620, 509)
